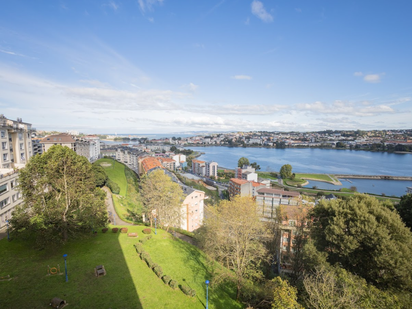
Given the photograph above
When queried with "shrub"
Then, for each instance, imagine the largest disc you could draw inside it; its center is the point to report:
(114, 187)
(166, 279)
(145, 255)
(158, 271)
(105, 230)
(149, 262)
(139, 248)
(149, 237)
(188, 291)
(173, 284)
(115, 229)
(143, 240)
(147, 231)
(123, 230)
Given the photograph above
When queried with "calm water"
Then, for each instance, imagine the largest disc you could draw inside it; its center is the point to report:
(324, 161)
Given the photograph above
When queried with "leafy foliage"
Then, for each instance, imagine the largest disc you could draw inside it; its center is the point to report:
(284, 295)
(99, 175)
(286, 171)
(404, 209)
(60, 197)
(114, 187)
(243, 161)
(365, 237)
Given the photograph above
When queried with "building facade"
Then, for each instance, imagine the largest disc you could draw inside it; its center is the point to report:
(16, 150)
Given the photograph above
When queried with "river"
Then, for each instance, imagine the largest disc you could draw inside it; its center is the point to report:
(327, 161)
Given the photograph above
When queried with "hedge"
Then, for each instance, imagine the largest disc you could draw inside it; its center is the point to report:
(166, 279)
(158, 271)
(188, 291)
(173, 284)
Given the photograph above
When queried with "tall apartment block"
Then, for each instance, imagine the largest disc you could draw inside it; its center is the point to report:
(16, 150)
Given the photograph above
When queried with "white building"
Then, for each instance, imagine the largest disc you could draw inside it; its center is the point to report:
(16, 150)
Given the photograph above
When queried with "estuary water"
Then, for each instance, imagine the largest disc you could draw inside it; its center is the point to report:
(313, 160)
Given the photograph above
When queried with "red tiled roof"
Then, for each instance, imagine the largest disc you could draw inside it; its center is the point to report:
(58, 138)
(150, 163)
(239, 181)
(197, 161)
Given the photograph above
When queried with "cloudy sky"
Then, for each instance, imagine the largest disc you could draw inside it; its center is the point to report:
(160, 66)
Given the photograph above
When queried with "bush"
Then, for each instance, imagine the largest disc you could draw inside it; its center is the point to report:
(149, 237)
(188, 291)
(145, 255)
(173, 284)
(147, 231)
(166, 279)
(115, 229)
(143, 240)
(139, 248)
(149, 262)
(158, 271)
(320, 193)
(114, 187)
(105, 230)
(123, 230)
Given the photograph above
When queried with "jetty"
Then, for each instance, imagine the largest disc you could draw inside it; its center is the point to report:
(378, 177)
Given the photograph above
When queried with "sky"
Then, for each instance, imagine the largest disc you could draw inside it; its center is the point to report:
(163, 66)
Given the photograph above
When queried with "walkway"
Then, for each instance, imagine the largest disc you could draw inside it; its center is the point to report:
(113, 217)
(185, 238)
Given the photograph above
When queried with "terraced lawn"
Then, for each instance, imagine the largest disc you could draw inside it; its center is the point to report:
(129, 282)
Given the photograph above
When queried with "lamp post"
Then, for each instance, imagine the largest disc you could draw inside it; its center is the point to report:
(207, 294)
(65, 266)
(155, 226)
(8, 232)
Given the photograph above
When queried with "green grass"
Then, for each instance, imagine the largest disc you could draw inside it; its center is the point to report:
(267, 175)
(115, 173)
(129, 283)
(321, 177)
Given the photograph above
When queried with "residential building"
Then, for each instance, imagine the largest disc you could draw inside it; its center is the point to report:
(211, 169)
(168, 163)
(192, 208)
(130, 157)
(409, 190)
(268, 200)
(147, 164)
(203, 168)
(180, 160)
(16, 150)
(246, 172)
(198, 167)
(37, 146)
(244, 187)
(62, 139)
(94, 141)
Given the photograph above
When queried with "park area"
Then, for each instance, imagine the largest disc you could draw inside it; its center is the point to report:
(129, 282)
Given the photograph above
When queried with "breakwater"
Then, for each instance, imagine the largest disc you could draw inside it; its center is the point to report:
(382, 177)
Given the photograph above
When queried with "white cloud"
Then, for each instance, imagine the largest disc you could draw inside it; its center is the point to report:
(191, 87)
(373, 78)
(260, 12)
(357, 74)
(245, 77)
(147, 5)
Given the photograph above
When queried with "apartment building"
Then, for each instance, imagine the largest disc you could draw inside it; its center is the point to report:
(63, 139)
(147, 164)
(268, 200)
(246, 172)
(244, 187)
(192, 208)
(94, 147)
(130, 157)
(203, 168)
(37, 146)
(168, 163)
(16, 150)
(180, 160)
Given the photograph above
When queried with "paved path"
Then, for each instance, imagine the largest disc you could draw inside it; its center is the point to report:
(113, 217)
(185, 238)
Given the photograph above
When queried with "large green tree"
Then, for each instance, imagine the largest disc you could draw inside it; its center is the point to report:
(404, 208)
(99, 175)
(243, 161)
(162, 198)
(365, 237)
(286, 171)
(60, 198)
(232, 235)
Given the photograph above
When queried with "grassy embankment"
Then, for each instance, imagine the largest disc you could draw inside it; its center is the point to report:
(128, 199)
(129, 282)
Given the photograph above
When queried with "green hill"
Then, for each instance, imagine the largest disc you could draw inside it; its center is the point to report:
(129, 282)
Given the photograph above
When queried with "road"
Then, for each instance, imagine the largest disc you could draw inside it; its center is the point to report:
(113, 217)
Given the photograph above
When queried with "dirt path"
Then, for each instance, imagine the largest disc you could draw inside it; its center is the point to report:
(113, 217)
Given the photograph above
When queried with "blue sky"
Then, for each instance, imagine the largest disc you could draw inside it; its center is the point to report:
(160, 66)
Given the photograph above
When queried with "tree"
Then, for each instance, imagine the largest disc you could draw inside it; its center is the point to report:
(365, 237)
(285, 296)
(173, 148)
(243, 161)
(404, 208)
(286, 171)
(255, 166)
(162, 198)
(232, 235)
(60, 198)
(99, 175)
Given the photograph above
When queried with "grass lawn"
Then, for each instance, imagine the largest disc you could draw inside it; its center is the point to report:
(115, 173)
(129, 282)
(267, 175)
(321, 177)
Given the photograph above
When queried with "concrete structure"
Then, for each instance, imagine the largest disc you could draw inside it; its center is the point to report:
(244, 187)
(16, 150)
(58, 139)
(180, 160)
(246, 172)
(130, 157)
(94, 147)
(268, 200)
(203, 168)
(192, 208)
(168, 163)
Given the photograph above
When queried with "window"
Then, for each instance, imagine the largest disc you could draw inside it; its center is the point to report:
(21, 146)
(4, 145)
(5, 156)
(4, 203)
(22, 157)
(3, 188)
(14, 197)
(20, 136)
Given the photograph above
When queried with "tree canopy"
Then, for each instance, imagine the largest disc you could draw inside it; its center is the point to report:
(232, 234)
(162, 198)
(404, 209)
(60, 198)
(365, 237)
(286, 171)
(243, 161)
(99, 175)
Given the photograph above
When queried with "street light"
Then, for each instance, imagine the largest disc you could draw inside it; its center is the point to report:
(155, 226)
(8, 232)
(65, 266)
(207, 294)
